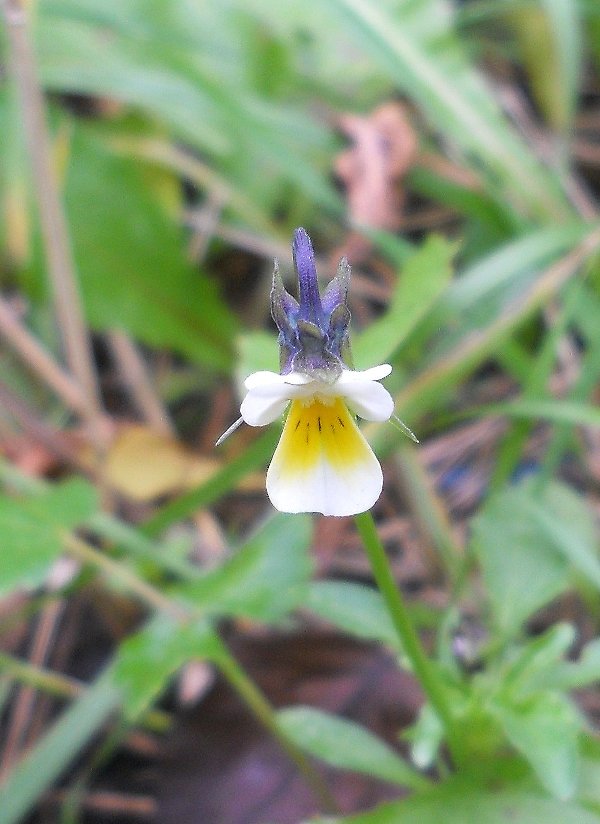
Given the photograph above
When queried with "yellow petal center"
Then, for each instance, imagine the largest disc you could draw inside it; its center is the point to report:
(321, 428)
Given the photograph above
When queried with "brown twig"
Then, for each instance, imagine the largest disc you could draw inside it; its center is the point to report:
(22, 710)
(111, 803)
(67, 299)
(46, 435)
(41, 362)
(135, 375)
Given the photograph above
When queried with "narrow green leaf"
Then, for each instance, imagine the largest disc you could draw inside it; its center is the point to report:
(512, 265)
(58, 747)
(223, 481)
(428, 62)
(347, 745)
(549, 36)
(535, 663)
(554, 411)
(422, 280)
(577, 674)
(573, 531)
(354, 608)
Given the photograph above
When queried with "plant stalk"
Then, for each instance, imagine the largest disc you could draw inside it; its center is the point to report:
(425, 672)
(232, 671)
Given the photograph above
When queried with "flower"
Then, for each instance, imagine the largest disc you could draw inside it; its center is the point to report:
(322, 462)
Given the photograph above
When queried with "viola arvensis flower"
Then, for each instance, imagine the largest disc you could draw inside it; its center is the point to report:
(322, 462)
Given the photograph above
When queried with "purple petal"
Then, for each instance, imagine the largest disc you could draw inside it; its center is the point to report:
(304, 262)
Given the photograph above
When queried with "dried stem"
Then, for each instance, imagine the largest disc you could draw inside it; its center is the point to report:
(42, 363)
(135, 376)
(68, 305)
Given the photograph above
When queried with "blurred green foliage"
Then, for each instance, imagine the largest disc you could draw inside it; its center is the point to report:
(158, 108)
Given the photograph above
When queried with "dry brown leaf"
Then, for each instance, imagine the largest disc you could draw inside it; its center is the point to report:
(144, 464)
(383, 148)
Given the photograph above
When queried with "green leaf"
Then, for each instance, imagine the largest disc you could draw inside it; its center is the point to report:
(258, 351)
(550, 40)
(265, 579)
(130, 256)
(554, 411)
(589, 784)
(347, 745)
(58, 747)
(511, 267)
(564, 518)
(522, 568)
(545, 730)
(32, 530)
(529, 542)
(422, 280)
(356, 609)
(534, 664)
(464, 800)
(576, 674)
(426, 736)
(187, 69)
(146, 661)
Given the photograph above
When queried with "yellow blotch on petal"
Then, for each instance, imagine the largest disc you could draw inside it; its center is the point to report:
(320, 429)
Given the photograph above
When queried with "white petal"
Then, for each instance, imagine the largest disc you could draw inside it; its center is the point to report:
(263, 379)
(375, 373)
(365, 396)
(264, 404)
(323, 463)
(370, 400)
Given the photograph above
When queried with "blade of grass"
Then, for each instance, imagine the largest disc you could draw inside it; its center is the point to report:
(536, 386)
(221, 483)
(455, 98)
(424, 391)
(564, 412)
(56, 750)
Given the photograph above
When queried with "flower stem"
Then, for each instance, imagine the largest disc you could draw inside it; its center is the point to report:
(422, 666)
(262, 710)
(232, 671)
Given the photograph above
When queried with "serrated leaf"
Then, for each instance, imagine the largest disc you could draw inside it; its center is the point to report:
(264, 579)
(146, 661)
(420, 283)
(356, 609)
(32, 530)
(347, 745)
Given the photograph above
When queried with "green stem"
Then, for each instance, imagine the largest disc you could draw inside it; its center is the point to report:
(422, 666)
(263, 711)
(230, 668)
